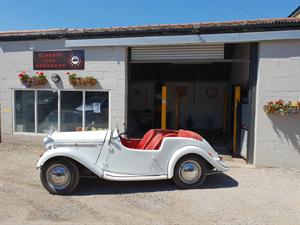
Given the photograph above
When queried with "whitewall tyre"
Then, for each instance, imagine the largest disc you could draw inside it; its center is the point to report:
(59, 176)
(190, 172)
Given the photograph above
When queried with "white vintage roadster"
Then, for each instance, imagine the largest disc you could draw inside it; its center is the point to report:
(183, 156)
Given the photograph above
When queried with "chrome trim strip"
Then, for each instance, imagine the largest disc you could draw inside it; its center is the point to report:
(77, 144)
(129, 177)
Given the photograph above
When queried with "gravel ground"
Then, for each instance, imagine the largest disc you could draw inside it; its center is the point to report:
(243, 195)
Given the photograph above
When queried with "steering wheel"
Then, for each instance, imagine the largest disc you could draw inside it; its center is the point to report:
(122, 134)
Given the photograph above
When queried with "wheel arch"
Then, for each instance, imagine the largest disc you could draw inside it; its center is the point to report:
(79, 165)
(188, 151)
(80, 161)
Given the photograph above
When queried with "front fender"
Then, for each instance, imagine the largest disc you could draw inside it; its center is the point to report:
(192, 150)
(72, 154)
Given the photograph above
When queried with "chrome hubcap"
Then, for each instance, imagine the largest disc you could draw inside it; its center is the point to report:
(190, 172)
(58, 176)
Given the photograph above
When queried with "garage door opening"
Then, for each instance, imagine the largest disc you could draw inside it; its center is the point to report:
(209, 97)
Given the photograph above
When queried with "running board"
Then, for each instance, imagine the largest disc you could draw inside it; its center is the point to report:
(127, 177)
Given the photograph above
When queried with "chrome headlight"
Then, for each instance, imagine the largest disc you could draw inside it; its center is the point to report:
(48, 143)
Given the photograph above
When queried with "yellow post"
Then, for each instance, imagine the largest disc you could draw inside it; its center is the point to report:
(225, 111)
(163, 107)
(177, 109)
(237, 99)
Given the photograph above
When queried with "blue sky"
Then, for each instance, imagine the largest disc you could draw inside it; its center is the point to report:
(43, 14)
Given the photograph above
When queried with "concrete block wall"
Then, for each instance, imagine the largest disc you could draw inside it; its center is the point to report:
(277, 140)
(104, 63)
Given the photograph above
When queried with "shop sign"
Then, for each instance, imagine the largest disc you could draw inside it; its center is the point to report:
(58, 60)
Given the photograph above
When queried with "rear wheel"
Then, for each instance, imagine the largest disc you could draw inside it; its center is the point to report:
(59, 176)
(190, 172)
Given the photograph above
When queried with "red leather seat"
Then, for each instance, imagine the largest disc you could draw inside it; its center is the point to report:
(155, 143)
(189, 134)
(146, 139)
(153, 138)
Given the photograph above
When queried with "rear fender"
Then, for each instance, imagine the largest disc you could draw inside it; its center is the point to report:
(72, 154)
(190, 150)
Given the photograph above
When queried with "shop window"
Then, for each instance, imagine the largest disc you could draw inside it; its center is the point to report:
(24, 111)
(96, 110)
(47, 113)
(70, 115)
(39, 111)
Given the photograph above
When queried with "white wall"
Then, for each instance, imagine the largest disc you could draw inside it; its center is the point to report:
(104, 63)
(277, 139)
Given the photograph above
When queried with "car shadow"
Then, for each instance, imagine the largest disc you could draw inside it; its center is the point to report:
(102, 187)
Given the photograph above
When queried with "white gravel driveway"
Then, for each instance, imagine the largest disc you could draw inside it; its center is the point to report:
(241, 196)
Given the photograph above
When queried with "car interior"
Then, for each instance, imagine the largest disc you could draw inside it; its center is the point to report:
(153, 138)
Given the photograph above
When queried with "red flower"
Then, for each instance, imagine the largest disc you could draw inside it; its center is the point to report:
(41, 74)
(21, 75)
(280, 102)
(68, 73)
(37, 73)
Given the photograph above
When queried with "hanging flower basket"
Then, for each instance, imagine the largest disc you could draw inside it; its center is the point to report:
(36, 80)
(75, 80)
(281, 108)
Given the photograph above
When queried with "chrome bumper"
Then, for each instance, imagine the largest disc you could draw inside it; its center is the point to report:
(222, 166)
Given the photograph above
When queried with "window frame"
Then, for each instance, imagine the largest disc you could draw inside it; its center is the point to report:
(58, 108)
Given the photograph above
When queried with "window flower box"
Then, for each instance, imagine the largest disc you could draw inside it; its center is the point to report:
(75, 80)
(90, 81)
(36, 80)
(281, 108)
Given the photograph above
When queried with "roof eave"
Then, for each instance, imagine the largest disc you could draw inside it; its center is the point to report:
(159, 30)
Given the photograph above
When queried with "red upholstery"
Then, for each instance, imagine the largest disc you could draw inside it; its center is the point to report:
(155, 143)
(146, 139)
(130, 143)
(189, 134)
(154, 137)
(171, 135)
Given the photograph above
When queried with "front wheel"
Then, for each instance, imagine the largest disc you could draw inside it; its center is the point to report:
(60, 176)
(190, 172)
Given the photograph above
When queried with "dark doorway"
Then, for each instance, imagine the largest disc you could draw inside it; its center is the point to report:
(200, 97)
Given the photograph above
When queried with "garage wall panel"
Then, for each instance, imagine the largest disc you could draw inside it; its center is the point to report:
(277, 140)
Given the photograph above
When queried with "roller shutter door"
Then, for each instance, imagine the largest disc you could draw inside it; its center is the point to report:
(177, 53)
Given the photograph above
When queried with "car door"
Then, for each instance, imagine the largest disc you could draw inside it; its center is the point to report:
(131, 161)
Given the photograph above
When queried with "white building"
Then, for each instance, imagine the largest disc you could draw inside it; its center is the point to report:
(218, 78)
